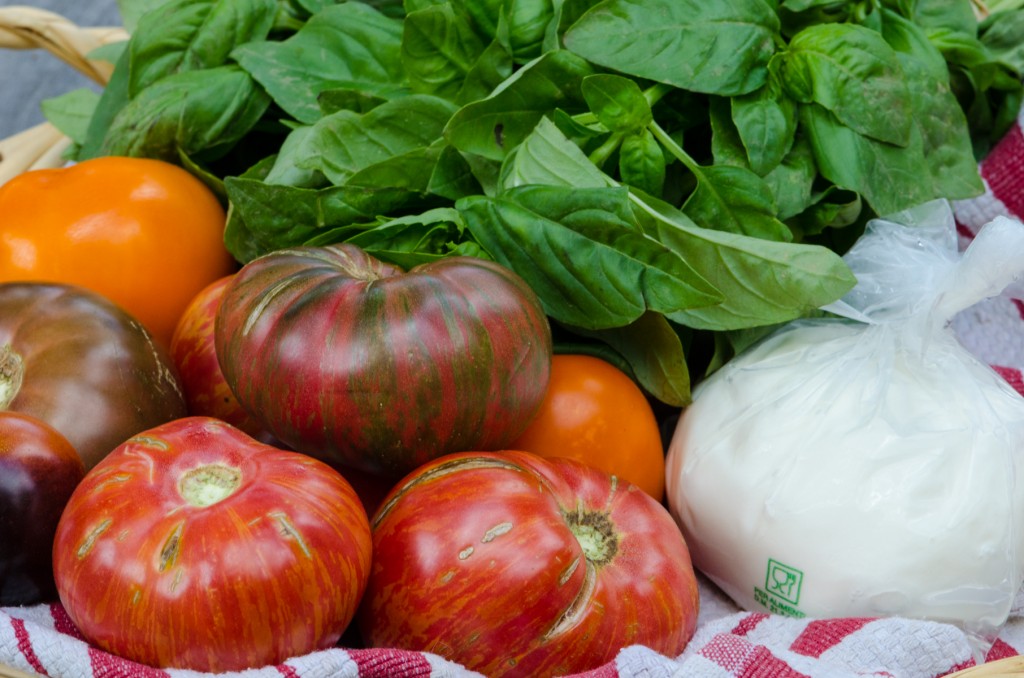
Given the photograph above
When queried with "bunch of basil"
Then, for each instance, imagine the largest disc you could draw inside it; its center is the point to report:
(672, 177)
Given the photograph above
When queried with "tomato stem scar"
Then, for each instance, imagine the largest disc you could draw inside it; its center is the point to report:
(206, 485)
(596, 535)
(12, 369)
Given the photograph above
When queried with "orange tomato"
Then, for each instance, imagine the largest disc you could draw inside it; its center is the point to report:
(144, 233)
(594, 413)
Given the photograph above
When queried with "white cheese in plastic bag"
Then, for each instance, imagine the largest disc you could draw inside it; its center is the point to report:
(866, 465)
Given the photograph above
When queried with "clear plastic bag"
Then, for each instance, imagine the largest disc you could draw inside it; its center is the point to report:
(867, 465)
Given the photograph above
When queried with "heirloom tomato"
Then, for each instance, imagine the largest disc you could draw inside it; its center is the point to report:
(81, 364)
(358, 362)
(195, 546)
(594, 413)
(144, 233)
(512, 564)
(38, 471)
(195, 356)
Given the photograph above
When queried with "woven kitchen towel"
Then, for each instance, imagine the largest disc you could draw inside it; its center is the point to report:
(729, 642)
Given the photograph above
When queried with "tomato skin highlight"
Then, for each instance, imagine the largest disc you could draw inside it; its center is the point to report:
(195, 546)
(477, 558)
(39, 469)
(594, 413)
(144, 233)
(357, 362)
(72, 358)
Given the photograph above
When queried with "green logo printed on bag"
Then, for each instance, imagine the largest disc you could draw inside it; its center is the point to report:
(781, 592)
(783, 581)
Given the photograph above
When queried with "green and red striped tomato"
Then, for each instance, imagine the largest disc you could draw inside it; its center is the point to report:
(515, 565)
(193, 545)
(360, 363)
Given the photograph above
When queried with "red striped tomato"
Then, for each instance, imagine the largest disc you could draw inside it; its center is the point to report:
(358, 362)
(207, 394)
(514, 565)
(195, 546)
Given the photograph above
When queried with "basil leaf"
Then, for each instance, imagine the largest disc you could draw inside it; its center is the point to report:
(614, 274)
(642, 162)
(762, 282)
(185, 35)
(307, 8)
(546, 156)
(851, 71)
(945, 138)
(350, 45)
(959, 48)
(284, 168)
(804, 5)
(954, 15)
(712, 47)
(343, 143)
(736, 200)
(110, 52)
(495, 125)
(452, 176)
(132, 11)
(71, 112)
(524, 23)
(792, 181)
(937, 163)
(766, 123)
(413, 240)
(411, 171)
(888, 176)
(567, 12)
(910, 39)
(654, 352)
(344, 99)
(490, 70)
(193, 112)
(1001, 33)
(416, 5)
(113, 98)
(485, 14)
(527, 21)
(618, 102)
(440, 48)
(265, 217)
(726, 145)
(832, 208)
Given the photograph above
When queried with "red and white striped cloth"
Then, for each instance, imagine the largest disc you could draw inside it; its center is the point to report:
(729, 642)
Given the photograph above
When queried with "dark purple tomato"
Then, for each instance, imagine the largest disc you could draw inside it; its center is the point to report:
(39, 469)
(84, 366)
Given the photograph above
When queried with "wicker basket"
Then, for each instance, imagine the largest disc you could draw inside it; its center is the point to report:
(31, 28)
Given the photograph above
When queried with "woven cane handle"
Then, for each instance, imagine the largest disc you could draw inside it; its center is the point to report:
(32, 28)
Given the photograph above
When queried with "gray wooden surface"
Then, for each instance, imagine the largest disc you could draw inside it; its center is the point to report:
(29, 76)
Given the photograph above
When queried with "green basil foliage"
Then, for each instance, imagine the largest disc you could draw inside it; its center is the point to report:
(672, 177)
